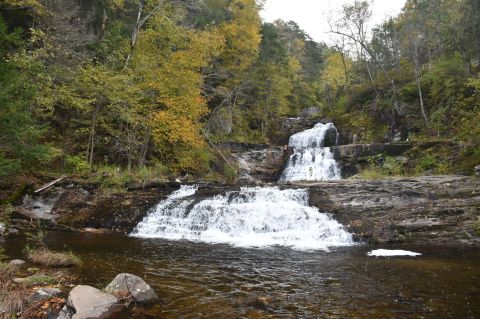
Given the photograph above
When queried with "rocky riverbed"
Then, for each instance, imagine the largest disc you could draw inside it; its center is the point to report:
(426, 209)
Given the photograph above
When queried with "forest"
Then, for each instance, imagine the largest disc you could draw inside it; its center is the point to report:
(153, 87)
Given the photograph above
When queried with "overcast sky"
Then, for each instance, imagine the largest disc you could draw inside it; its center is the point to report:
(312, 15)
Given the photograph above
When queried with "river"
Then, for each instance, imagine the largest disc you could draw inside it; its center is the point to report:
(200, 280)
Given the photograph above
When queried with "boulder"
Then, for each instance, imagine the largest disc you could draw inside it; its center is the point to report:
(330, 137)
(17, 262)
(132, 285)
(20, 280)
(85, 302)
(477, 170)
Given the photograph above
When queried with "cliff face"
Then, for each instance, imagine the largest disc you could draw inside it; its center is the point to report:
(73, 25)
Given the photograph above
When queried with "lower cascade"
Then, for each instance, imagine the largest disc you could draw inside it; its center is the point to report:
(250, 217)
(312, 161)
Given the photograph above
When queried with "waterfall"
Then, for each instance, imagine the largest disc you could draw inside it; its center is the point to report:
(310, 160)
(249, 217)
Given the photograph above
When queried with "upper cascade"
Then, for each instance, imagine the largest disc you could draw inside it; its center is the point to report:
(312, 161)
(312, 138)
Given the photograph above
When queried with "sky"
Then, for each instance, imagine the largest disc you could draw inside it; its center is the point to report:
(312, 15)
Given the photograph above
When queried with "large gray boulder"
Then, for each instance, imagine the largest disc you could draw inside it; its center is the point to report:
(134, 286)
(85, 302)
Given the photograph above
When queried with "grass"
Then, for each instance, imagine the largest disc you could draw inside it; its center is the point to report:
(12, 296)
(46, 257)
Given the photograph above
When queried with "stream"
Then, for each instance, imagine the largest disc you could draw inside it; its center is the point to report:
(200, 280)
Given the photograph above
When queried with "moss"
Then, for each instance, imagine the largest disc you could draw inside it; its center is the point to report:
(381, 166)
(40, 280)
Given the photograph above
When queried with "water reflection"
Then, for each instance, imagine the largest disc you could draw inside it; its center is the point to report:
(217, 281)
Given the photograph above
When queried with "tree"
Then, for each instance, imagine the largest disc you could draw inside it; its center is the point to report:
(20, 133)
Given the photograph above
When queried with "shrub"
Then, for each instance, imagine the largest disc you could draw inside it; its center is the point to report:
(76, 164)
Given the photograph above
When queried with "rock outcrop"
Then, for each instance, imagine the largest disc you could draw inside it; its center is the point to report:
(428, 209)
(258, 163)
(353, 157)
(119, 212)
(132, 286)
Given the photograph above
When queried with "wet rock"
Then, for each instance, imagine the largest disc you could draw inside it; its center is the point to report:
(43, 294)
(330, 137)
(427, 209)
(258, 165)
(417, 224)
(291, 126)
(85, 302)
(477, 170)
(117, 212)
(136, 287)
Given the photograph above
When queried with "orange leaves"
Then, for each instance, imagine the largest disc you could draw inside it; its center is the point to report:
(175, 130)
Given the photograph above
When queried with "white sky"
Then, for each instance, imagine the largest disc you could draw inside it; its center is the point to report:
(312, 15)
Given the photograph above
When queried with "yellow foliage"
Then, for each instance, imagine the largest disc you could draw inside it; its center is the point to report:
(334, 76)
(242, 36)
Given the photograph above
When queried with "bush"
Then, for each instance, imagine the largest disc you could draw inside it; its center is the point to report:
(76, 164)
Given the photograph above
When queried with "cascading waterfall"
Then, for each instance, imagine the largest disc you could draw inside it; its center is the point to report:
(311, 161)
(250, 217)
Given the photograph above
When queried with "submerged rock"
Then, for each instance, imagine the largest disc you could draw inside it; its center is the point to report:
(85, 302)
(136, 287)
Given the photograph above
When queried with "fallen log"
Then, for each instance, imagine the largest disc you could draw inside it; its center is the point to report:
(46, 186)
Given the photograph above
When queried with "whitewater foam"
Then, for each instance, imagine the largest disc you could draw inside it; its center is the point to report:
(251, 217)
(311, 161)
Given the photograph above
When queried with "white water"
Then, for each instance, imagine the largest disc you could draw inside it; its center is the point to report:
(311, 161)
(251, 217)
(392, 253)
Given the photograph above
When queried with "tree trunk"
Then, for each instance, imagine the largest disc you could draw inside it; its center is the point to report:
(143, 155)
(420, 95)
(91, 140)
